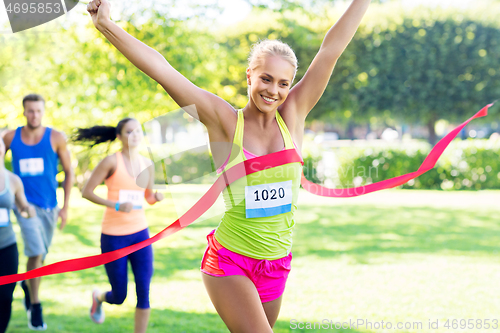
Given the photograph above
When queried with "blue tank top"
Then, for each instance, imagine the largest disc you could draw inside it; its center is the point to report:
(7, 235)
(37, 167)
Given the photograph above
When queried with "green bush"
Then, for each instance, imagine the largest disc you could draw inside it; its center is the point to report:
(464, 165)
(310, 170)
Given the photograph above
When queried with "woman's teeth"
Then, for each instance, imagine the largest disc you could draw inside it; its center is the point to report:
(270, 100)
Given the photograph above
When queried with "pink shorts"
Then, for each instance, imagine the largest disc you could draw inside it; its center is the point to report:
(268, 276)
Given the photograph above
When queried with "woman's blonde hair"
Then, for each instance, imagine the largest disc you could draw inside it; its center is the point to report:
(268, 47)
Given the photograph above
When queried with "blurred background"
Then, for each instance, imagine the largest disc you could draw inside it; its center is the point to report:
(414, 70)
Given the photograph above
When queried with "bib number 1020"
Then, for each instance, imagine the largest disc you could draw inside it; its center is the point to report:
(34, 7)
(268, 199)
(272, 194)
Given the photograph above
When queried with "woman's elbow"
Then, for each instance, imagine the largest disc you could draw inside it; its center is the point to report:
(85, 194)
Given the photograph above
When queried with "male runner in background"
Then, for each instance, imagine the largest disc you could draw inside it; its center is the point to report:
(36, 150)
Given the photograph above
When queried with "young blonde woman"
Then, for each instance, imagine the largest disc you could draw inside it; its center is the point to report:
(124, 222)
(248, 256)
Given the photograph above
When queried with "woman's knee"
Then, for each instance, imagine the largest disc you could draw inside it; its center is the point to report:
(143, 297)
(6, 292)
(116, 296)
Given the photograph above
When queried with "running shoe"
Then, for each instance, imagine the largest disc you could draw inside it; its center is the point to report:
(27, 300)
(96, 310)
(35, 318)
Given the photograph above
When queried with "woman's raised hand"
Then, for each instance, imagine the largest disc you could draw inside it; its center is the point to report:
(99, 11)
(210, 109)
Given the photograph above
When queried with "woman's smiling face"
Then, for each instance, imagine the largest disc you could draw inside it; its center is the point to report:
(270, 82)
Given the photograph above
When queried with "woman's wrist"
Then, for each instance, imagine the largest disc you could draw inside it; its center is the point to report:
(104, 25)
(117, 206)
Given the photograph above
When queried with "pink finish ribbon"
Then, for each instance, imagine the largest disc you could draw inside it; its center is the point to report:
(208, 199)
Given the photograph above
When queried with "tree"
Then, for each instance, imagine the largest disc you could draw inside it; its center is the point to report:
(419, 67)
(86, 81)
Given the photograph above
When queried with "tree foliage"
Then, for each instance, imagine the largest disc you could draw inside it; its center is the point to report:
(403, 66)
(423, 67)
(408, 66)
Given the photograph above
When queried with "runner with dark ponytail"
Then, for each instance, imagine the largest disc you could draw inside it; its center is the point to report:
(124, 221)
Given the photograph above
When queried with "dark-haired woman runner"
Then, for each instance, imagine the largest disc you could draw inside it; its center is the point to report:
(124, 221)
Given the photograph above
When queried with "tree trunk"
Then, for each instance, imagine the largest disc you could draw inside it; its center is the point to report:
(431, 126)
(350, 130)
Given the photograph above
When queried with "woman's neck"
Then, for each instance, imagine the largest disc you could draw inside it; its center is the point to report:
(253, 114)
(130, 153)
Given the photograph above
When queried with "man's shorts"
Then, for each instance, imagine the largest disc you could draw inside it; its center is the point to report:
(37, 231)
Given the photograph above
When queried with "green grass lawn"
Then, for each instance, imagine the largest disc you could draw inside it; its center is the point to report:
(399, 256)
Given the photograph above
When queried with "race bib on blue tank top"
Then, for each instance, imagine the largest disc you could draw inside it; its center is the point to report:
(31, 167)
(4, 217)
(268, 199)
(135, 197)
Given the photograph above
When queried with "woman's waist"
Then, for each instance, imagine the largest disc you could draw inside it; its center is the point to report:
(256, 244)
(258, 229)
(119, 226)
(111, 216)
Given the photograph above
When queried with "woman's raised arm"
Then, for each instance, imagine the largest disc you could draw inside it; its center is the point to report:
(153, 64)
(306, 93)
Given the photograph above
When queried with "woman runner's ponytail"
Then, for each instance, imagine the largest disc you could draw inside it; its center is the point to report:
(99, 134)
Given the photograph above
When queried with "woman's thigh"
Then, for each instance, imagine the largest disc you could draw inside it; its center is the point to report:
(272, 310)
(238, 303)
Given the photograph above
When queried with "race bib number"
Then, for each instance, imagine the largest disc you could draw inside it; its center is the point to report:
(135, 197)
(31, 167)
(268, 199)
(4, 217)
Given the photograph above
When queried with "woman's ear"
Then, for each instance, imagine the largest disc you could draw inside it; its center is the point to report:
(248, 76)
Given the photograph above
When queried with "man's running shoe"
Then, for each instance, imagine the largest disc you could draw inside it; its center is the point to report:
(35, 318)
